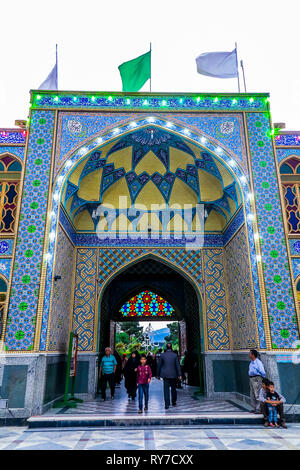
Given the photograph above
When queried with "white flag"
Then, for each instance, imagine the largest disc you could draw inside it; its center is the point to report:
(51, 81)
(218, 64)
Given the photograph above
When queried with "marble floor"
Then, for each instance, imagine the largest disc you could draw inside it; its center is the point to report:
(186, 404)
(166, 438)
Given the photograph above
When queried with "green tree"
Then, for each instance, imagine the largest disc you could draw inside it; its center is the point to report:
(122, 337)
(132, 328)
(134, 346)
(173, 337)
(121, 348)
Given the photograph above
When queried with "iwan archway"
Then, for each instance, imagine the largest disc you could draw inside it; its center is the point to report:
(180, 301)
(105, 208)
(85, 150)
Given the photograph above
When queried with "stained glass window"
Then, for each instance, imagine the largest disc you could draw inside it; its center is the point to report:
(147, 304)
(290, 166)
(10, 174)
(290, 178)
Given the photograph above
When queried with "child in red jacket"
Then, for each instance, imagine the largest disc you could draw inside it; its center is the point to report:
(144, 376)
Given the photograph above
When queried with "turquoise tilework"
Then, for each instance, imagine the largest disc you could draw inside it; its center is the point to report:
(27, 268)
(282, 315)
(5, 265)
(215, 294)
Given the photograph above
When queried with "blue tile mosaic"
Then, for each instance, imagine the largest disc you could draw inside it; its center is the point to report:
(11, 136)
(294, 246)
(92, 240)
(6, 246)
(288, 139)
(296, 267)
(75, 129)
(26, 277)
(234, 225)
(14, 150)
(78, 136)
(281, 308)
(5, 265)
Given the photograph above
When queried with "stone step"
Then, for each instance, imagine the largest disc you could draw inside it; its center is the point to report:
(60, 421)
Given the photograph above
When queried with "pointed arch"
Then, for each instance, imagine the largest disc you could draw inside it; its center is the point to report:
(291, 163)
(161, 259)
(196, 137)
(12, 155)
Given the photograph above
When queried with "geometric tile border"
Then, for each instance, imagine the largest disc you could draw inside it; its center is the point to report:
(26, 277)
(112, 259)
(281, 308)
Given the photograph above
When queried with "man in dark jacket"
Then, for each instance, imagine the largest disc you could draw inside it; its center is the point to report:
(169, 369)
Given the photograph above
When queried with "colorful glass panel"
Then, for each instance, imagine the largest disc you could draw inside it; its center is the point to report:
(147, 304)
(8, 205)
(292, 204)
(291, 166)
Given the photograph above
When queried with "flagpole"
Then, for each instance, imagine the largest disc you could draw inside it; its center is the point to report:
(56, 68)
(237, 67)
(242, 65)
(150, 66)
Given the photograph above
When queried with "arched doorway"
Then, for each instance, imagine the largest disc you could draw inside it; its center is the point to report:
(154, 275)
(147, 167)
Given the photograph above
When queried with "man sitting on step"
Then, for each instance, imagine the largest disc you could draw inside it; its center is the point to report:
(264, 407)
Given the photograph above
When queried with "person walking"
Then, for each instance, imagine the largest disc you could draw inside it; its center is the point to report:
(154, 365)
(144, 375)
(169, 370)
(108, 367)
(157, 357)
(256, 374)
(124, 361)
(130, 374)
(179, 381)
(150, 361)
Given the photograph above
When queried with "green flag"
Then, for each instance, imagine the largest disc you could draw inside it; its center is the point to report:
(135, 72)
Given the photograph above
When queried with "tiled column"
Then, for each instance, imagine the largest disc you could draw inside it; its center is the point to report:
(280, 301)
(26, 282)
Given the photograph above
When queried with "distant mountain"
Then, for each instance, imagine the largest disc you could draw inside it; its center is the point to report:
(159, 335)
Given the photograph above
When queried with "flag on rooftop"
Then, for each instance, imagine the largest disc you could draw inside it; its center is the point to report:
(218, 64)
(51, 82)
(135, 72)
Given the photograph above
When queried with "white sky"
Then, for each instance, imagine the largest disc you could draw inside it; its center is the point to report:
(95, 36)
(156, 325)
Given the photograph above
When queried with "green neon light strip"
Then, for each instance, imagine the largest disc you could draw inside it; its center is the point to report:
(149, 101)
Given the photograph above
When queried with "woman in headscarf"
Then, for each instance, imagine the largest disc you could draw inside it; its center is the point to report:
(130, 374)
(150, 361)
(124, 361)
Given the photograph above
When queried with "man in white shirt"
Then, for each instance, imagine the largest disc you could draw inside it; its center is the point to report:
(256, 374)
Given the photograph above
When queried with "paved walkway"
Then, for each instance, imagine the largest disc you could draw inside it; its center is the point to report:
(186, 404)
(185, 438)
